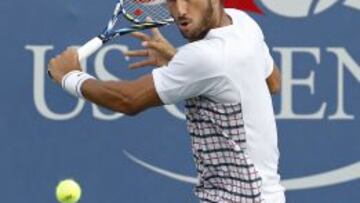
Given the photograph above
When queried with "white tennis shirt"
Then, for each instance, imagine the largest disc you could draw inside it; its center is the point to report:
(230, 65)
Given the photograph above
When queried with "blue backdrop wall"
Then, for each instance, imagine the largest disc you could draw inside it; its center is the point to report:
(46, 135)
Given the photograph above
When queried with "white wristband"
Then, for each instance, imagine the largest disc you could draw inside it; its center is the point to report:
(73, 81)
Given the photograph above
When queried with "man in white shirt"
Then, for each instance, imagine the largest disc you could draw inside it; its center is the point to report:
(224, 75)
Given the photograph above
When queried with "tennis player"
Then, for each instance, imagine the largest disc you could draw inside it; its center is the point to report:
(224, 74)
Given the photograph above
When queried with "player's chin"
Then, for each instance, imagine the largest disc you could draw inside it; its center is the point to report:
(187, 34)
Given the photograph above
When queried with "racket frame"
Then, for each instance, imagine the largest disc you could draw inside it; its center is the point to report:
(109, 33)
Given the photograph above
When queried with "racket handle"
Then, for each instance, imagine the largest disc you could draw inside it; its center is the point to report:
(89, 48)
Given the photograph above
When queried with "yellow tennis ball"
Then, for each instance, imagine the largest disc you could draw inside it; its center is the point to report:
(68, 191)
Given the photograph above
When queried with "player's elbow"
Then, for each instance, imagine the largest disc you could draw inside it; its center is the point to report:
(127, 107)
(132, 111)
(275, 87)
(274, 81)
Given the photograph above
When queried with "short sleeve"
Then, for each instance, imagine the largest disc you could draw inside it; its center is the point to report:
(269, 61)
(251, 27)
(192, 72)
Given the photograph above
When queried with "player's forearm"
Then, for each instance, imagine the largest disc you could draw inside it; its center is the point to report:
(129, 97)
(110, 94)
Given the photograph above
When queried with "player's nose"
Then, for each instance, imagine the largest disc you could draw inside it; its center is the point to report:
(182, 7)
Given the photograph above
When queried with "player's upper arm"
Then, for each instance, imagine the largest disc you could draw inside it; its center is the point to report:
(272, 73)
(273, 81)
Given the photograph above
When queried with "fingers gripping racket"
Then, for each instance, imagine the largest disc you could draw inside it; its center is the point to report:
(138, 12)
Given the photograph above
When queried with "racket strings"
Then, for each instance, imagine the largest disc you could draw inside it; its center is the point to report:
(140, 10)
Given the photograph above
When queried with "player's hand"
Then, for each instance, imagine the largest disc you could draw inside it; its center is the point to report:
(67, 61)
(157, 50)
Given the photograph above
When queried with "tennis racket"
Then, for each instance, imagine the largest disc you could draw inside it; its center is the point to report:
(138, 12)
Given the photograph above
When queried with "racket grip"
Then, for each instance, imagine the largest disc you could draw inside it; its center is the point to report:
(89, 48)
